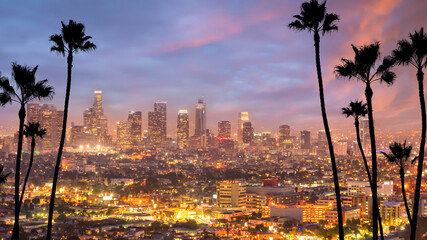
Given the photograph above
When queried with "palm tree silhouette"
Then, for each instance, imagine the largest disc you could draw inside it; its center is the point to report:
(361, 68)
(414, 52)
(32, 130)
(71, 40)
(399, 155)
(314, 18)
(26, 89)
(358, 109)
(3, 176)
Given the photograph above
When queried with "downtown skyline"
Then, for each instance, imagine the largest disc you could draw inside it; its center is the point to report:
(238, 56)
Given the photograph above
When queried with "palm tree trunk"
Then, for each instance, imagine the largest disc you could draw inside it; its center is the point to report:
(359, 143)
(365, 161)
(420, 78)
(375, 212)
(21, 114)
(328, 136)
(33, 145)
(61, 147)
(402, 181)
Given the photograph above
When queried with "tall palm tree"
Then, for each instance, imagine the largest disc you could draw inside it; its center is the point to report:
(399, 155)
(26, 89)
(365, 68)
(32, 130)
(358, 109)
(3, 176)
(314, 18)
(414, 52)
(71, 40)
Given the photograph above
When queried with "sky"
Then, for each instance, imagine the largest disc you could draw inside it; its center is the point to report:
(238, 55)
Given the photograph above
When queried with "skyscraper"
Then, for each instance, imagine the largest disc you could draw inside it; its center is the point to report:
(243, 117)
(124, 135)
(365, 137)
(200, 119)
(154, 128)
(97, 104)
(284, 132)
(135, 121)
(95, 121)
(160, 108)
(248, 132)
(224, 129)
(182, 129)
(50, 119)
(305, 140)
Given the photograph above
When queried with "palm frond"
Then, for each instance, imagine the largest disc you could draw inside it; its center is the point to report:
(328, 23)
(58, 46)
(346, 69)
(403, 53)
(3, 176)
(42, 90)
(297, 25)
(388, 77)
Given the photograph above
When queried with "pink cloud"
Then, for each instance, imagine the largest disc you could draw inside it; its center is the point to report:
(213, 29)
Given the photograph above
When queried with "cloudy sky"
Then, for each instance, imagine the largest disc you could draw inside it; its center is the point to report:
(238, 55)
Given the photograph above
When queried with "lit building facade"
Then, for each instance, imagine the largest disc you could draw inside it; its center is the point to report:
(284, 133)
(224, 129)
(200, 118)
(182, 129)
(305, 140)
(135, 121)
(248, 132)
(50, 119)
(155, 129)
(231, 194)
(124, 135)
(243, 117)
(160, 108)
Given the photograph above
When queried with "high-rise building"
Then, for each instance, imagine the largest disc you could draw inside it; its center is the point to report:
(135, 121)
(231, 194)
(160, 108)
(305, 140)
(224, 129)
(50, 119)
(341, 147)
(154, 128)
(33, 112)
(124, 135)
(243, 117)
(200, 118)
(365, 137)
(284, 132)
(248, 132)
(97, 104)
(95, 121)
(182, 129)
(321, 137)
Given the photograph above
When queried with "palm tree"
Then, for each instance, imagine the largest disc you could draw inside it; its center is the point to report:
(414, 52)
(26, 89)
(358, 109)
(32, 130)
(314, 18)
(400, 155)
(364, 68)
(3, 176)
(71, 40)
